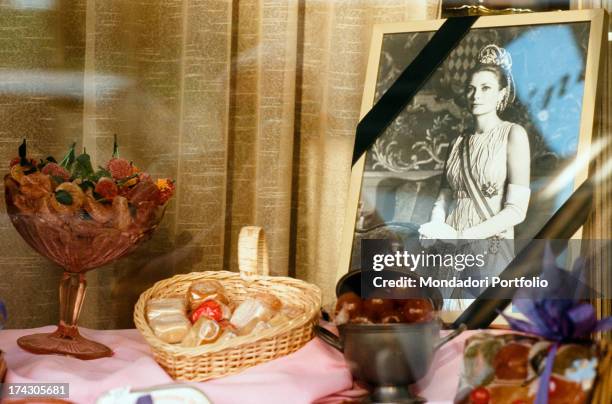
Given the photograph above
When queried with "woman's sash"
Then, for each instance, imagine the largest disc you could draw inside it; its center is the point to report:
(480, 201)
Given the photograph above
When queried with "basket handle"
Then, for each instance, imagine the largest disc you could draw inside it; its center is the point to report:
(252, 253)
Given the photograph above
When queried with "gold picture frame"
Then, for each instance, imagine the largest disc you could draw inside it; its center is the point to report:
(526, 23)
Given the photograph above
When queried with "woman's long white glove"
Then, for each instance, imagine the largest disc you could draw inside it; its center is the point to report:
(440, 207)
(430, 232)
(513, 213)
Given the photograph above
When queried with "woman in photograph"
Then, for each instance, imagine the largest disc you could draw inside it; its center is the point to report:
(485, 186)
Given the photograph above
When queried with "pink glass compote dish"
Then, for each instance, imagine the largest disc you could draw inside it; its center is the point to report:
(81, 219)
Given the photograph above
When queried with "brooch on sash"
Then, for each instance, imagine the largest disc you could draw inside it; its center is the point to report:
(494, 243)
(489, 189)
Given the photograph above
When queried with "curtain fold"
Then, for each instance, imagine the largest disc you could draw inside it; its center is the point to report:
(250, 105)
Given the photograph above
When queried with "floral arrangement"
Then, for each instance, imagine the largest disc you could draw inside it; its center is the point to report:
(117, 194)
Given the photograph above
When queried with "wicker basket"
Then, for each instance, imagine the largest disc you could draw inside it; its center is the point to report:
(228, 357)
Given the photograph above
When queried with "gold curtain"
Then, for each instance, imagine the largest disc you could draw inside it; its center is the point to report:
(250, 105)
(600, 225)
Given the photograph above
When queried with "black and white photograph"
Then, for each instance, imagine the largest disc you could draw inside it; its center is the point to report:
(489, 148)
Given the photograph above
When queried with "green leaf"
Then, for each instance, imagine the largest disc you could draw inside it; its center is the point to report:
(102, 172)
(63, 197)
(69, 158)
(82, 167)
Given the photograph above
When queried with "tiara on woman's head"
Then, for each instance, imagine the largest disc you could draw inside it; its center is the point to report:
(494, 55)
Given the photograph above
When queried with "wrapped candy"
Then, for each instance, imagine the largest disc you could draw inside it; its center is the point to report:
(227, 336)
(261, 326)
(260, 307)
(228, 331)
(417, 310)
(165, 307)
(202, 291)
(279, 319)
(375, 309)
(171, 328)
(391, 317)
(286, 314)
(211, 309)
(348, 306)
(204, 331)
(270, 300)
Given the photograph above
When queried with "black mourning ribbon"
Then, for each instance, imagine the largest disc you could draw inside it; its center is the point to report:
(561, 226)
(403, 90)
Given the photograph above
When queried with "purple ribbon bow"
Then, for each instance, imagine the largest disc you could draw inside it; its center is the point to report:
(556, 317)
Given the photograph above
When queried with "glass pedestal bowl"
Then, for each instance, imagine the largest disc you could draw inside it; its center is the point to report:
(78, 244)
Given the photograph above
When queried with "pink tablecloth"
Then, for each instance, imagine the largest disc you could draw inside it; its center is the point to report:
(314, 373)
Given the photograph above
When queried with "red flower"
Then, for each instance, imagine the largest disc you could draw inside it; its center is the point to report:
(119, 168)
(56, 170)
(107, 188)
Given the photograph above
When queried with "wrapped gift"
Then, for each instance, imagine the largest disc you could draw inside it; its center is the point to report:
(508, 368)
(553, 360)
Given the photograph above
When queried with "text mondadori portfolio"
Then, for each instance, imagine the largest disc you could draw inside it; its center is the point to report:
(469, 282)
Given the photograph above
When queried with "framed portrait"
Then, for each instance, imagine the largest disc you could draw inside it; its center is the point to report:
(529, 121)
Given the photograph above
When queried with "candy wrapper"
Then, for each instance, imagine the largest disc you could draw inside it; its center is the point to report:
(202, 291)
(204, 331)
(171, 328)
(261, 307)
(211, 309)
(507, 369)
(165, 307)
